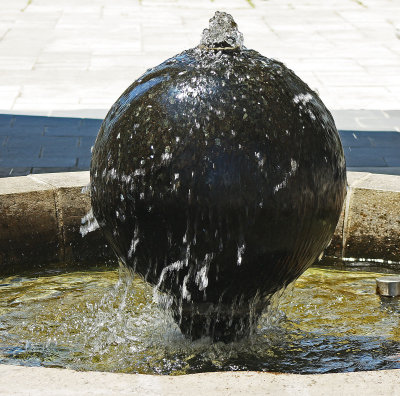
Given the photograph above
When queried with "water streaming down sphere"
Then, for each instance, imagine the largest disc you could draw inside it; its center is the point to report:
(218, 176)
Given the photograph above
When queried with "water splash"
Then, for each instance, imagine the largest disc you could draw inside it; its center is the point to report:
(240, 252)
(89, 223)
(222, 33)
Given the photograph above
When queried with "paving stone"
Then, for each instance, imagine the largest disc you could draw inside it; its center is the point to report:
(62, 131)
(393, 160)
(392, 113)
(54, 145)
(90, 122)
(90, 131)
(67, 142)
(50, 169)
(363, 156)
(56, 122)
(15, 161)
(16, 131)
(5, 132)
(86, 142)
(84, 163)
(367, 120)
(370, 139)
(66, 44)
(28, 121)
(56, 162)
(12, 172)
(24, 143)
(19, 156)
(5, 120)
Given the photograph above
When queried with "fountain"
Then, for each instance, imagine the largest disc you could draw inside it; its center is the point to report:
(219, 177)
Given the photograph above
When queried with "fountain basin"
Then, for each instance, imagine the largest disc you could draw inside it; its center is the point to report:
(56, 199)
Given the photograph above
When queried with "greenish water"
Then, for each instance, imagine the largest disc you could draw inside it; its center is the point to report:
(328, 321)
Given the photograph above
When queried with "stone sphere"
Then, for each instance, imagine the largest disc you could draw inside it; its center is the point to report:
(219, 177)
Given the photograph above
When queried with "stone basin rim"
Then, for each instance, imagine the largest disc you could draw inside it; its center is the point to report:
(18, 380)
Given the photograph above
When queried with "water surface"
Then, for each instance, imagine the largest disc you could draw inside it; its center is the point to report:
(329, 321)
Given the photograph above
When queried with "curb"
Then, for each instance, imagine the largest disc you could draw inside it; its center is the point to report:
(16, 380)
(41, 216)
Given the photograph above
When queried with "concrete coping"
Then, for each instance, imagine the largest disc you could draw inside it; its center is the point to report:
(45, 181)
(37, 182)
(373, 181)
(16, 380)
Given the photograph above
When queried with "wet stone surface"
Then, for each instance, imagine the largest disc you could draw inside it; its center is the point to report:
(219, 176)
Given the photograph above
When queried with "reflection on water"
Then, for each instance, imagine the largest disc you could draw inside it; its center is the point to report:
(328, 321)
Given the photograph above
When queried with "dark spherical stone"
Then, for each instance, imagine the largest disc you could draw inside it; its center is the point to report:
(218, 176)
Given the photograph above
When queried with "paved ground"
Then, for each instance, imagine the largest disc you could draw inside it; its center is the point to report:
(74, 57)
(38, 144)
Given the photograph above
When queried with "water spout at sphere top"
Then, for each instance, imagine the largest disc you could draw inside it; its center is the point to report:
(222, 33)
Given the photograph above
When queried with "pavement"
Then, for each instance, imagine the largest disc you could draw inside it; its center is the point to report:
(41, 144)
(67, 61)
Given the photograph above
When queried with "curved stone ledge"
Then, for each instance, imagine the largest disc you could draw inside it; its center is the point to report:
(16, 380)
(41, 215)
